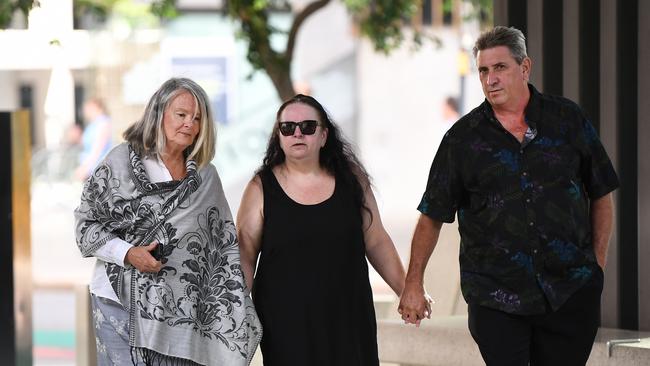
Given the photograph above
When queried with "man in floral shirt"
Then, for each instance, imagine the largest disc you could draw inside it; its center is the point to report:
(531, 184)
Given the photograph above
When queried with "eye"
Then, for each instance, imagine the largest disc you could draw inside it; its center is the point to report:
(182, 115)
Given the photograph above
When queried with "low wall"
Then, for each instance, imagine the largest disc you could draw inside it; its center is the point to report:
(446, 341)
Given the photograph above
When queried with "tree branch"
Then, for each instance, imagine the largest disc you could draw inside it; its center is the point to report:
(297, 22)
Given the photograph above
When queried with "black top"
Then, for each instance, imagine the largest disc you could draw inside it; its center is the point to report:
(311, 289)
(523, 208)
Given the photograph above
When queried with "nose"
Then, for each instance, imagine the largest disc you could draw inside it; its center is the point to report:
(297, 132)
(491, 79)
(188, 121)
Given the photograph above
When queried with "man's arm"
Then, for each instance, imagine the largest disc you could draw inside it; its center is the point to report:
(414, 304)
(602, 217)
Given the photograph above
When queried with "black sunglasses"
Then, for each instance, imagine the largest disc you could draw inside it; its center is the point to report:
(307, 127)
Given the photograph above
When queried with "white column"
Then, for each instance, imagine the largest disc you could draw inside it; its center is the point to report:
(54, 18)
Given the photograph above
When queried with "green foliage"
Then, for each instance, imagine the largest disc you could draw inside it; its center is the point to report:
(98, 8)
(164, 8)
(382, 21)
(138, 14)
(253, 19)
(9, 7)
(483, 11)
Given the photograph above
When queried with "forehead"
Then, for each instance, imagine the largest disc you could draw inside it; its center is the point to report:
(494, 55)
(183, 100)
(298, 112)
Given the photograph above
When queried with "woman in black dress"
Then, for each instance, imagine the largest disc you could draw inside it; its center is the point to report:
(311, 217)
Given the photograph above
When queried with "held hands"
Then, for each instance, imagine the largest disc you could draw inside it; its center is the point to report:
(415, 304)
(142, 258)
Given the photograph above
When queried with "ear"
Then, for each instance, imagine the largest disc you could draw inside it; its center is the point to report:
(526, 66)
(324, 134)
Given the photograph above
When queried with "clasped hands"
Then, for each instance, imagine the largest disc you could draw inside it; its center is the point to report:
(415, 304)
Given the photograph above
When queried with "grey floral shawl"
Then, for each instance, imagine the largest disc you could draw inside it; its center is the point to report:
(196, 308)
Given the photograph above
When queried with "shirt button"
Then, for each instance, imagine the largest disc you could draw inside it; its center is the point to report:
(521, 151)
(531, 223)
(525, 174)
(534, 251)
(538, 275)
(527, 200)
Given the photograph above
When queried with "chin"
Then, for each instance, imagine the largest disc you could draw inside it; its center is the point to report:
(497, 101)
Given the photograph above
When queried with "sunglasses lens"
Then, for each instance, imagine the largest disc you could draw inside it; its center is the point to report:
(308, 127)
(287, 128)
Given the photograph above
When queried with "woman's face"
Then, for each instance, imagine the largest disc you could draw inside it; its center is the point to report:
(181, 122)
(300, 144)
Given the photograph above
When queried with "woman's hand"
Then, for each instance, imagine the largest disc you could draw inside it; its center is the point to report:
(141, 258)
(415, 304)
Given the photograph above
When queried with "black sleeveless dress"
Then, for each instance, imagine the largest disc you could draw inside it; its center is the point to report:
(311, 289)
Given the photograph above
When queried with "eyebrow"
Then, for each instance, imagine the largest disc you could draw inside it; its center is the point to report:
(500, 63)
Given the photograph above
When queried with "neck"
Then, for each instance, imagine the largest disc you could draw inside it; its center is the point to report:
(514, 109)
(172, 157)
(175, 164)
(302, 167)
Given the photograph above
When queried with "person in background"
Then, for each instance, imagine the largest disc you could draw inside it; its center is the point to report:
(449, 116)
(167, 288)
(450, 111)
(96, 139)
(310, 216)
(532, 186)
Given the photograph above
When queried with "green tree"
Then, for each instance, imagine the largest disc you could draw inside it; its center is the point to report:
(381, 21)
(8, 9)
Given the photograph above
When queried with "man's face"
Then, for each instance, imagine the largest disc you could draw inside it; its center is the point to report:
(503, 80)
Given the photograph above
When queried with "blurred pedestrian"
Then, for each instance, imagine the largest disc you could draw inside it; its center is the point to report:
(167, 287)
(96, 139)
(531, 184)
(311, 217)
(449, 115)
(450, 110)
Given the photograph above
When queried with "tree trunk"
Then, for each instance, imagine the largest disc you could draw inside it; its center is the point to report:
(281, 78)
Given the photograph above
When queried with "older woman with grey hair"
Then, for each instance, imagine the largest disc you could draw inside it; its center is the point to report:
(168, 287)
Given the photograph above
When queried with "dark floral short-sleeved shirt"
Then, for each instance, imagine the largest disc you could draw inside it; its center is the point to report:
(523, 208)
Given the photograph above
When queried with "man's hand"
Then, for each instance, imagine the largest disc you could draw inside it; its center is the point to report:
(141, 258)
(415, 304)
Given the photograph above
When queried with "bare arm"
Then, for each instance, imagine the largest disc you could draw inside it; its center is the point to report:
(602, 217)
(414, 302)
(380, 249)
(250, 220)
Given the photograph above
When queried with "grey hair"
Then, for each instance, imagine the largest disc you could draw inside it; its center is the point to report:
(511, 37)
(147, 136)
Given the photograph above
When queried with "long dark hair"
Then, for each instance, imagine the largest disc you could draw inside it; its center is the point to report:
(336, 157)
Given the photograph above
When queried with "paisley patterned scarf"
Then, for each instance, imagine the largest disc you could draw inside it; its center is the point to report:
(195, 310)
